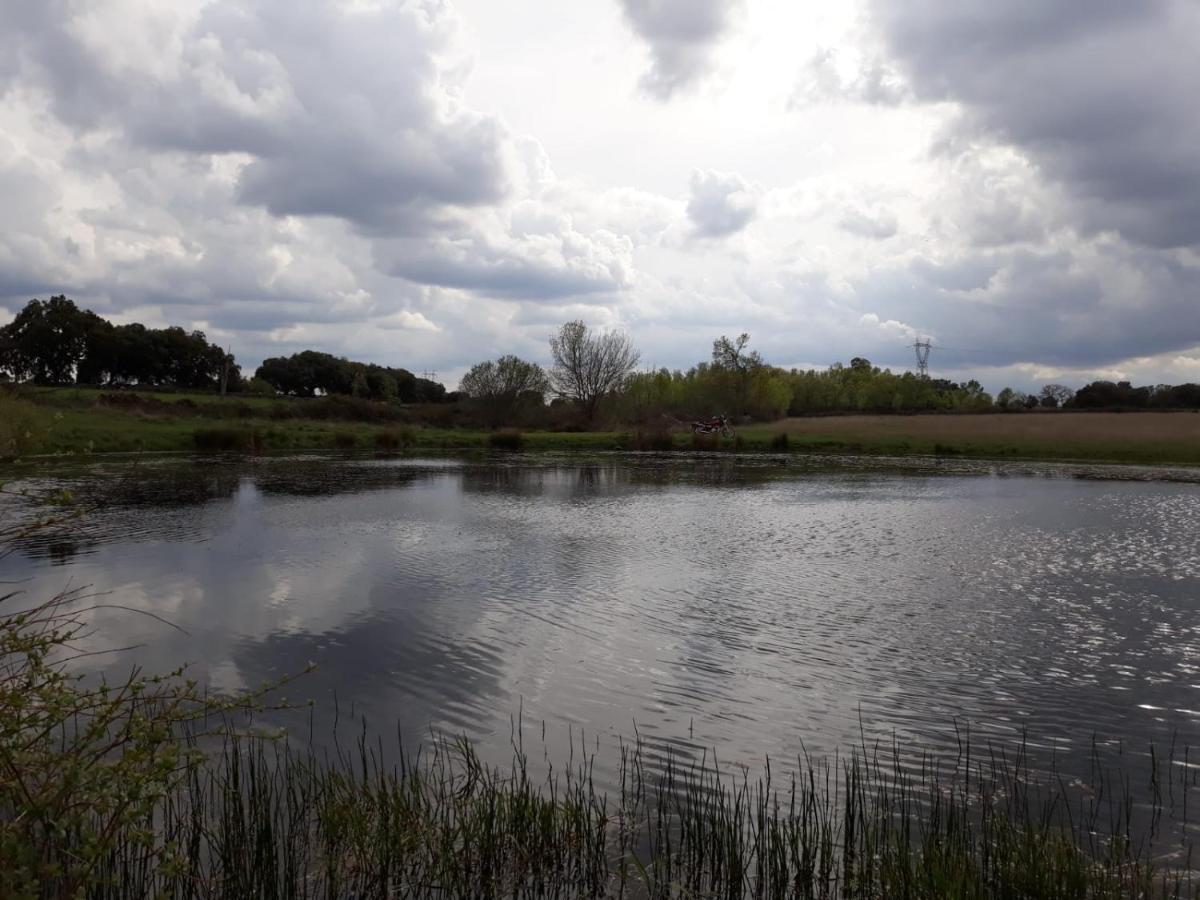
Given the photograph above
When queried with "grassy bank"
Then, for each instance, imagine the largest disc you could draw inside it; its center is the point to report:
(69, 420)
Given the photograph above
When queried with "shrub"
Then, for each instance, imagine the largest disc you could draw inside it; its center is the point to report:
(216, 440)
(395, 438)
(18, 426)
(259, 387)
(350, 409)
(780, 442)
(653, 440)
(508, 439)
(345, 440)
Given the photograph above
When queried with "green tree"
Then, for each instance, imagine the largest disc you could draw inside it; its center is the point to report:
(740, 364)
(499, 386)
(47, 340)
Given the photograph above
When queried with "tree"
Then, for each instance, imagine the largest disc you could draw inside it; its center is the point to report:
(588, 366)
(47, 340)
(732, 357)
(498, 386)
(1055, 395)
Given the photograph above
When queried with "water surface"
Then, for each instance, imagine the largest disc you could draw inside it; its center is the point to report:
(754, 605)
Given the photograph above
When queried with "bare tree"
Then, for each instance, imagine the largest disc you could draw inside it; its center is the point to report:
(587, 365)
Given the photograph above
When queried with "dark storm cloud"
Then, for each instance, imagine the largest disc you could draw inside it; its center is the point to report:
(682, 35)
(1101, 96)
(1083, 308)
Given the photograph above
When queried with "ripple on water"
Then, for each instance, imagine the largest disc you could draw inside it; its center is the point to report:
(747, 604)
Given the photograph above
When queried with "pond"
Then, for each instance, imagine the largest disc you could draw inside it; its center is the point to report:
(749, 605)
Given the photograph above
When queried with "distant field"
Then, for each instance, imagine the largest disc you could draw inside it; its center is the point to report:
(1117, 436)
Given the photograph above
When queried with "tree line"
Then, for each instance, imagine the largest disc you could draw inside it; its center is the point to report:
(594, 373)
(597, 372)
(737, 380)
(310, 372)
(54, 342)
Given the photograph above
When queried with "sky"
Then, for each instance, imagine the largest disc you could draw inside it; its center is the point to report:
(429, 184)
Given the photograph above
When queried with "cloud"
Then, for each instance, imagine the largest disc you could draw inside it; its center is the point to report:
(1090, 305)
(877, 223)
(720, 203)
(1098, 96)
(830, 76)
(321, 175)
(344, 110)
(534, 253)
(682, 36)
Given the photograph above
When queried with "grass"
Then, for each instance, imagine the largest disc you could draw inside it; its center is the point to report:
(79, 420)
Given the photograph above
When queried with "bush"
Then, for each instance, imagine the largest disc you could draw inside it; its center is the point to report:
(395, 438)
(508, 439)
(216, 440)
(350, 409)
(18, 426)
(259, 387)
(345, 440)
(653, 440)
(780, 442)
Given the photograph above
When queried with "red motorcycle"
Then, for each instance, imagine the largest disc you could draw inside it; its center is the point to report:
(716, 425)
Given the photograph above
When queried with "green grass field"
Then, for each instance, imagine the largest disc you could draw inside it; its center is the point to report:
(81, 420)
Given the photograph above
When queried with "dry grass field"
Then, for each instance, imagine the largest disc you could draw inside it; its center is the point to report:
(1169, 437)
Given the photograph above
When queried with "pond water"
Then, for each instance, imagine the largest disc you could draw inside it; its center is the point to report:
(754, 605)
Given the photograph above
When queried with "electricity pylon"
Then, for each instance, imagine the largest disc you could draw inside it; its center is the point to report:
(922, 348)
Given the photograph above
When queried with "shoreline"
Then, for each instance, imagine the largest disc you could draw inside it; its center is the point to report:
(74, 423)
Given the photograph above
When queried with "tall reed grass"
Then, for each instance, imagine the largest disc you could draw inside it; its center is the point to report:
(273, 819)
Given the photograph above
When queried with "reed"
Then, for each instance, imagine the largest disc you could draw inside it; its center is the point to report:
(506, 439)
(273, 819)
